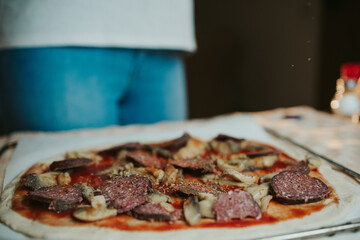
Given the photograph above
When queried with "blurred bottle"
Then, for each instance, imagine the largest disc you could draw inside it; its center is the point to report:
(358, 88)
(346, 101)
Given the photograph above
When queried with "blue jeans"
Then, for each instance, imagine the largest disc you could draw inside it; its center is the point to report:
(60, 88)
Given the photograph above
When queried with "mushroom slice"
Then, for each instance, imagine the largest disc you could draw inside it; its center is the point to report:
(238, 166)
(235, 175)
(265, 202)
(97, 211)
(192, 210)
(230, 182)
(121, 156)
(157, 173)
(206, 207)
(193, 148)
(267, 177)
(221, 164)
(258, 191)
(78, 154)
(171, 174)
(265, 161)
(86, 190)
(168, 207)
(157, 197)
(49, 178)
(98, 201)
(212, 178)
(206, 204)
(64, 178)
(225, 145)
(206, 196)
(313, 161)
(236, 159)
(88, 214)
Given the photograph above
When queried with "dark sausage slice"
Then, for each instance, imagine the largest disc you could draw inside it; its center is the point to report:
(69, 163)
(176, 215)
(147, 159)
(223, 137)
(293, 187)
(175, 144)
(59, 197)
(132, 146)
(126, 193)
(301, 166)
(205, 165)
(128, 202)
(151, 212)
(154, 212)
(235, 205)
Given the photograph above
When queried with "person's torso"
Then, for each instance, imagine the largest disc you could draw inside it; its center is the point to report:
(154, 24)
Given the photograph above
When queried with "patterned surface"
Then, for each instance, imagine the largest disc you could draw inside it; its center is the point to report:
(334, 137)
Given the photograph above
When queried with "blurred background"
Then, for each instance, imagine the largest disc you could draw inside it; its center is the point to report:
(255, 55)
(121, 62)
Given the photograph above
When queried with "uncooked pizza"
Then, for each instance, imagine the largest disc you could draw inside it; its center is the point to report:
(164, 188)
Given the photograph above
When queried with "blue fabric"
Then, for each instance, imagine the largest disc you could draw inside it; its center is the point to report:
(60, 88)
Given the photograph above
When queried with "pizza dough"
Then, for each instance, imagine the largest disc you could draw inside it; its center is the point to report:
(332, 213)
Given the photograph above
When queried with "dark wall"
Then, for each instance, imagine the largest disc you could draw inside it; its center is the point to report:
(258, 54)
(340, 43)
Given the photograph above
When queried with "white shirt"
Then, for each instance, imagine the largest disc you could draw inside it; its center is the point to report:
(150, 24)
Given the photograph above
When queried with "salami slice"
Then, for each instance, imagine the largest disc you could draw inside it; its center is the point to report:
(69, 163)
(223, 137)
(235, 205)
(293, 187)
(146, 159)
(151, 212)
(301, 166)
(175, 144)
(126, 193)
(132, 146)
(204, 165)
(59, 197)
